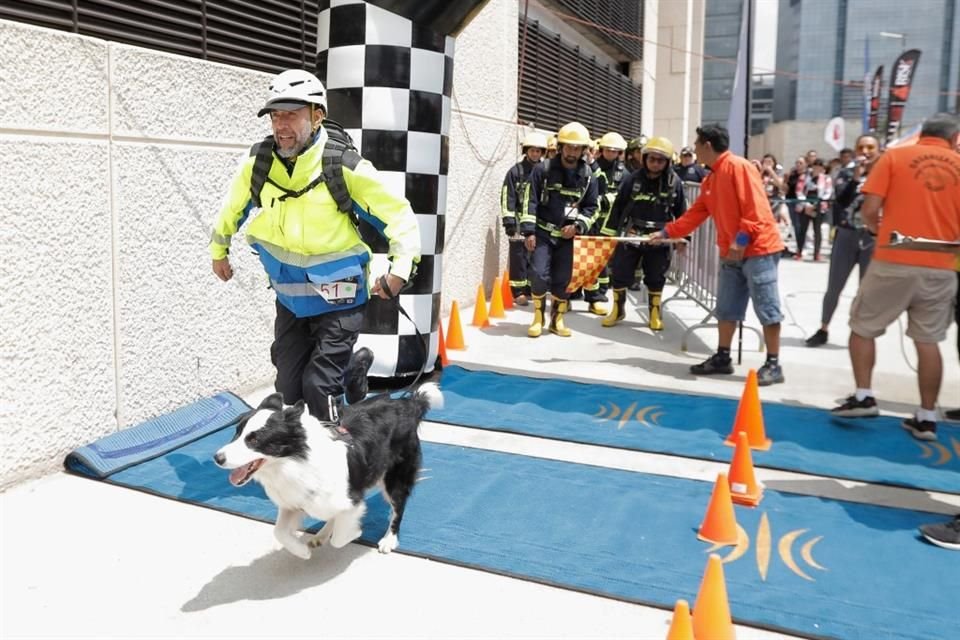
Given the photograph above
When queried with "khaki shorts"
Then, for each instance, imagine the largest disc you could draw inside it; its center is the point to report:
(888, 289)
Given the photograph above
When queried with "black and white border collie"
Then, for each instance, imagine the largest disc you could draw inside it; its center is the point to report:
(322, 470)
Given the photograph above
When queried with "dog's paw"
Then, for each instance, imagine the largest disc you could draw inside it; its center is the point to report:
(320, 538)
(297, 548)
(388, 542)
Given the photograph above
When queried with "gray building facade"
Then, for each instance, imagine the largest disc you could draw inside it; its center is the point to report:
(721, 39)
(821, 55)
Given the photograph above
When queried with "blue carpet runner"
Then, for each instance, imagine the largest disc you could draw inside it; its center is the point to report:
(805, 439)
(807, 566)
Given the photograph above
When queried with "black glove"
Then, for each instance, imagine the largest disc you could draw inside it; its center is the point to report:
(510, 229)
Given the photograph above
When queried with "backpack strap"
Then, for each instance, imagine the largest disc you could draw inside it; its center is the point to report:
(333, 153)
(263, 152)
(338, 151)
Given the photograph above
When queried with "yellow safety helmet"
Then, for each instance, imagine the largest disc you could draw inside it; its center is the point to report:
(552, 143)
(613, 140)
(574, 133)
(659, 145)
(534, 139)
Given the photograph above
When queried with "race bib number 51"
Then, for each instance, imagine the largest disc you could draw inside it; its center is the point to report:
(338, 292)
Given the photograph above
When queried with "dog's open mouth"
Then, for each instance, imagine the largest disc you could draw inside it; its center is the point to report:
(241, 475)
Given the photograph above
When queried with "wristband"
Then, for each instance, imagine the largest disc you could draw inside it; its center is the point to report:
(742, 239)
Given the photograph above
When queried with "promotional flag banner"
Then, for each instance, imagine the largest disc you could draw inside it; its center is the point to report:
(865, 119)
(835, 135)
(901, 79)
(736, 121)
(590, 255)
(876, 89)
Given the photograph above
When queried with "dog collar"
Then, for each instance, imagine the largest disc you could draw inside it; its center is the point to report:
(340, 432)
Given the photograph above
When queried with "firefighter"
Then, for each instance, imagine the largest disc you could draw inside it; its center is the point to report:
(563, 203)
(610, 172)
(632, 152)
(648, 199)
(514, 198)
(552, 147)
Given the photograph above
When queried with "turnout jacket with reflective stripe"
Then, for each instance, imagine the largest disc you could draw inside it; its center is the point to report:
(305, 243)
(515, 193)
(559, 197)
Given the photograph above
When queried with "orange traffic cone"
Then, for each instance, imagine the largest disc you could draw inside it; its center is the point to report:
(442, 348)
(505, 291)
(743, 483)
(711, 610)
(480, 318)
(455, 332)
(750, 417)
(681, 627)
(720, 522)
(496, 300)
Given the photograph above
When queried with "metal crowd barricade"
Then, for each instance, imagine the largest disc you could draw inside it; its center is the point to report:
(696, 273)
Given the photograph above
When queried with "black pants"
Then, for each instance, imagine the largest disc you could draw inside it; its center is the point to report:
(551, 267)
(311, 355)
(804, 221)
(517, 260)
(654, 261)
(851, 247)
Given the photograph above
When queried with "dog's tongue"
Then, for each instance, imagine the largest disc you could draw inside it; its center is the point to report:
(240, 475)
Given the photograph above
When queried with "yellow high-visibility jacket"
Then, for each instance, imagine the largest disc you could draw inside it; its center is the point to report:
(311, 250)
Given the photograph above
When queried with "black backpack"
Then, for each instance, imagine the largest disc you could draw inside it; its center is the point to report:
(338, 150)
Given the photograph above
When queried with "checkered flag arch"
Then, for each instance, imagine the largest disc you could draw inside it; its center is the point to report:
(389, 81)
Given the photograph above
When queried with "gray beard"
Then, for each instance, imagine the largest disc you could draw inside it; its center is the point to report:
(298, 149)
(286, 154)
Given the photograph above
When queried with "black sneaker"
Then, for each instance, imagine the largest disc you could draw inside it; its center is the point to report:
(817, 339)
(943, 534)
(769, 374)
(853, 408)
(920, 429)
(714, 364)
(356, 386)
(953, 415)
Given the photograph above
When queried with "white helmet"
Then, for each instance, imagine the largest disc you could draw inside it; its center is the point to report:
(294, 89)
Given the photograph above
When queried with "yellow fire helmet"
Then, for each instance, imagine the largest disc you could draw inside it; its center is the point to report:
(574, 133)
(534, 139)
(552, 143)
(659, 145)
(613, 140)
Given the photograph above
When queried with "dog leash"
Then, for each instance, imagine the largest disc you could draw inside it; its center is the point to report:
(407, 392)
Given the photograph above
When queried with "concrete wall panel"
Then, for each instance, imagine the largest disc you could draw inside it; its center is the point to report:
(52, 80)
(158, 95)
(56, 319)
(183, 333)
(484, 144)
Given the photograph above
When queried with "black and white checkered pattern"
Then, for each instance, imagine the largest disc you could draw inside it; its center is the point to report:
(388, 83)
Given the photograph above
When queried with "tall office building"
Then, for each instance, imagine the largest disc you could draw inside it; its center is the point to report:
(821, 51)
(721, 39)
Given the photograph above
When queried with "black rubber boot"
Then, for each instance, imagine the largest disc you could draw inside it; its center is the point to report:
(355, 385)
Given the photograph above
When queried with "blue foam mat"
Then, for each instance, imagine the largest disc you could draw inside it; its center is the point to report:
(157, 436)
(806, 439)
(632, 536)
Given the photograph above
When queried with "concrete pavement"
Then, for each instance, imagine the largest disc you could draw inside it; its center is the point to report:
(84, 559)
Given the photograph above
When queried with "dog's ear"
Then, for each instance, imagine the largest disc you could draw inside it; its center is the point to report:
(293, 413)
(273, 402)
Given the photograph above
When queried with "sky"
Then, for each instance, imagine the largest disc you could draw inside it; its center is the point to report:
(764, 35)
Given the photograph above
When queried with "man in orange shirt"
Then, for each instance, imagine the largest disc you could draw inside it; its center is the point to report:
(750, 248)
(918, 189)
